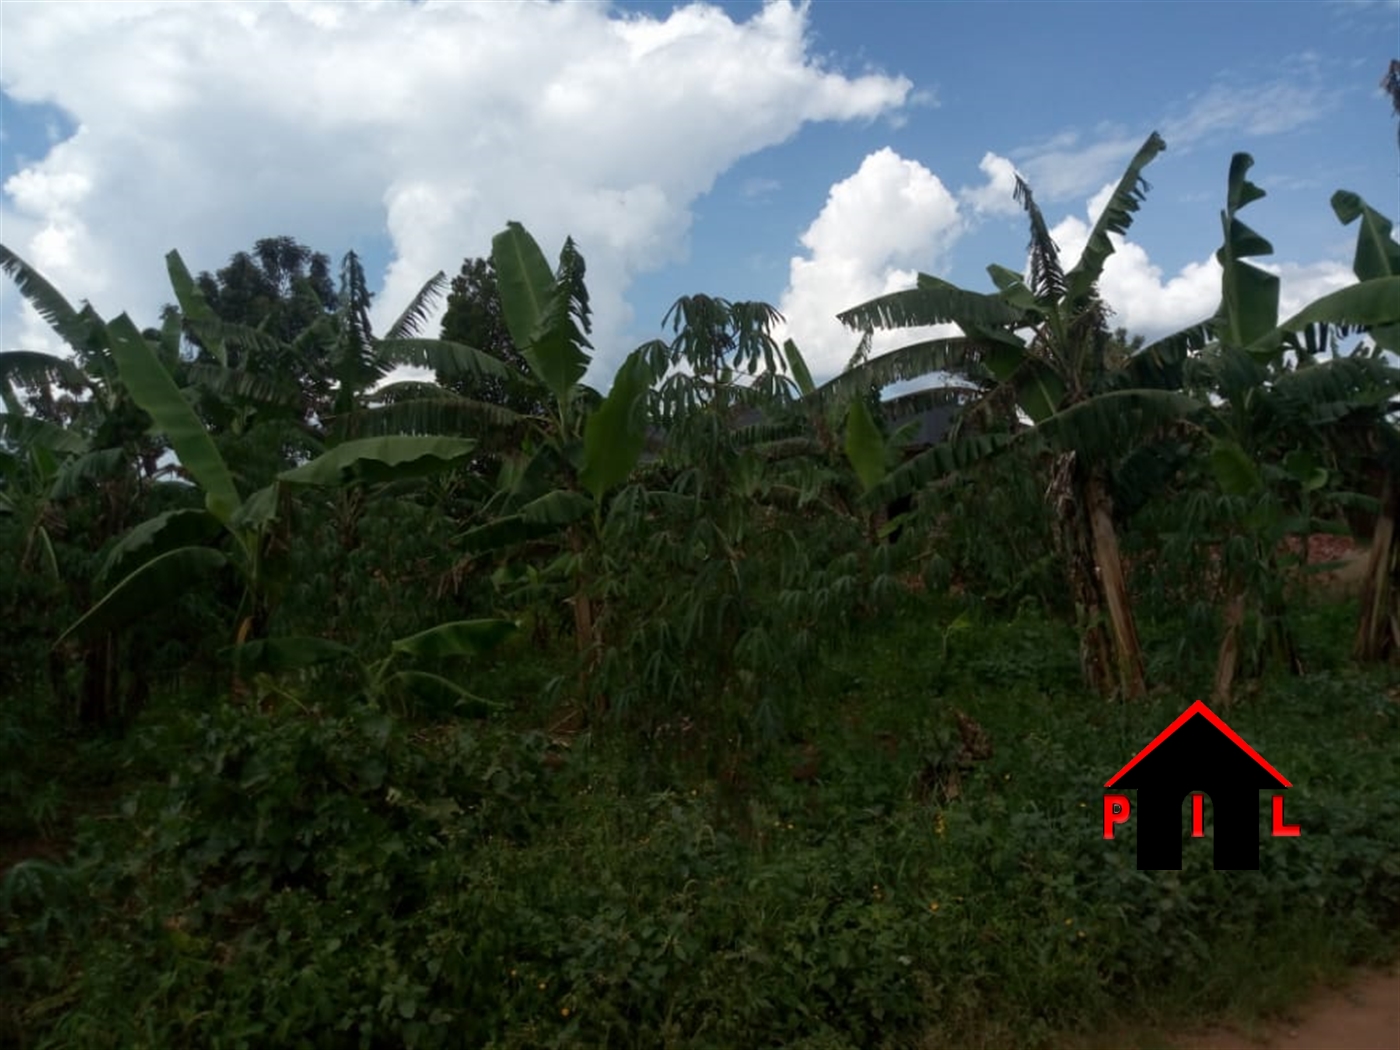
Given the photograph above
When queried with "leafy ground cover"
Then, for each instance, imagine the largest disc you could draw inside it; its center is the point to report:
(256, 877)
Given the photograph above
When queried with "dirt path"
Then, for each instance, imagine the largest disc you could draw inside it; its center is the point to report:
(1363, 1016)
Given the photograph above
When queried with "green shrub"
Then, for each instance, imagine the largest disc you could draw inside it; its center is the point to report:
(336, 877)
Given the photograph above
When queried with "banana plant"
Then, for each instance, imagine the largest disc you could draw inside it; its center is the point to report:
(1040, 345)
(586, 446)
(1277, 396)
(385, 677)
(75, 436)
(1378, 257)
(176, 550)
(872, 455)
(75, 414)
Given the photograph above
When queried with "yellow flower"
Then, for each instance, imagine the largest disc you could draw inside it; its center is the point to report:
(541, 986)
(564, 1012)
(512, 973)
(1081, 934)
(933, 906)
(1069, 922)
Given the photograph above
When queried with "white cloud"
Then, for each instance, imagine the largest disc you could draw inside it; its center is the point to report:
(1062, 167)
(996, 196)
(1099, 201)
(1143, 300)
(759, 188)
(1068, 164)
(894, 217)
(434, 123)
(878, 228)
(1301, 283)
(1261, 109)
(1148, 303)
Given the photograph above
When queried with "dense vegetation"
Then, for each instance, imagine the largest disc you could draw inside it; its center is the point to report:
(488, 708)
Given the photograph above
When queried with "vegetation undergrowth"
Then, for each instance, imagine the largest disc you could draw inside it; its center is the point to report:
(333, 876)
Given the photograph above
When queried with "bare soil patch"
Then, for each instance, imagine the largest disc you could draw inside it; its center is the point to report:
(1360, 1013)
(1362, 1016)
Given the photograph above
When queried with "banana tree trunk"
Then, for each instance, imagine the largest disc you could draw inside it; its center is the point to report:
(1270, 603)
(1228, 659)
(1114, 585)
(97, 702)
(1109, 651)
(1378, 631)
(586, 626)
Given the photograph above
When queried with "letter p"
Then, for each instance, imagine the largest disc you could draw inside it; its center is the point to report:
(1115, 811)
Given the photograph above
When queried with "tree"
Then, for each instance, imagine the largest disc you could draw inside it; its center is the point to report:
(475, 318)
(581, 445)
(280, 287)
(261, 329)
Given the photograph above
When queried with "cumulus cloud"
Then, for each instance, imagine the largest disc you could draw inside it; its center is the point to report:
(878, 228)
(1301, 283)
(206, 126)
(996, 196)
(1143, 299)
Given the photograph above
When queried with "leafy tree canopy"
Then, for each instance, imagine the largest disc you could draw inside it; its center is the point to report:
(475, 318)
(281, 286)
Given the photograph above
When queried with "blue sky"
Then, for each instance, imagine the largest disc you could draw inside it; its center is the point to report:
(810, 156)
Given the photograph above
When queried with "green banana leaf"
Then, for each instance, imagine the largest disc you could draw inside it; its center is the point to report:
(155, 536)
(150, 587)
(457, 638)
(865, 445)
(1377, 253)
(615, 434)
(381, 459)
(1250, 296)
(539, 324)
(193, 305)
(797, 365)
(152, 387)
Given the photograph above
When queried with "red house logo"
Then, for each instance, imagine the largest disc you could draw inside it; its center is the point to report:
(1199, 755)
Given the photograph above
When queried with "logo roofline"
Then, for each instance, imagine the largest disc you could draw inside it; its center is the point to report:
(1199, 708)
